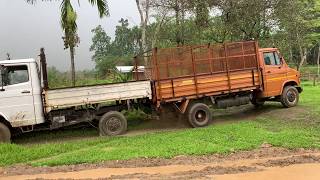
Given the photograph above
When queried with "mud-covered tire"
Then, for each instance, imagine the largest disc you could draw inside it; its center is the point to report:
(199, 115)
(5, 134)
(112, 124)
(289, 97)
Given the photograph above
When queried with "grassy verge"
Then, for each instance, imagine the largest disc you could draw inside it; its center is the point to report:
(299, 131)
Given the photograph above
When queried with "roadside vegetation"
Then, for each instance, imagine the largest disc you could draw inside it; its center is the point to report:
(298, 127)
(291, 26)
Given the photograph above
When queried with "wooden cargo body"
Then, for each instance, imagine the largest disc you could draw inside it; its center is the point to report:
(198, 71)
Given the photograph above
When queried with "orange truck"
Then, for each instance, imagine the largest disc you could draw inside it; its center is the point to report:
(224, 75)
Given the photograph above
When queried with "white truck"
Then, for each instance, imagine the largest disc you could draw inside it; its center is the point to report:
(26, 106)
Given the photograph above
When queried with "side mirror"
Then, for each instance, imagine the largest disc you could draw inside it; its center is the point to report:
(281, 60)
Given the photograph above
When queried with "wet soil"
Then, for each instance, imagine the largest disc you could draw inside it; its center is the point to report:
(181, 167)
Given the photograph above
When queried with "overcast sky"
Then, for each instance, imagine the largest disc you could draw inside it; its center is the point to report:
(25, 28)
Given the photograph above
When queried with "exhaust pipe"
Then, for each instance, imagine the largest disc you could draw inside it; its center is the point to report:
(43, 63)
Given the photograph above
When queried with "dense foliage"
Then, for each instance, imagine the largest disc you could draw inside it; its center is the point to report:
(291, 25)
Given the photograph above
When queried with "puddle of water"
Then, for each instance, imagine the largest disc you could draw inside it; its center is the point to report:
(295, 172)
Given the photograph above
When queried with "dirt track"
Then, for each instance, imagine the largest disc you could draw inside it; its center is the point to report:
(265, 163)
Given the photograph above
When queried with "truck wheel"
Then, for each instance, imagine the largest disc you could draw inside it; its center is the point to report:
(199, 115)
(5, 134)
(112, 124)
(289, 97)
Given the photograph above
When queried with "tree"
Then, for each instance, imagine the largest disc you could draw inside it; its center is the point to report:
(246, 20)
(299, 22)
(101, 44)
(103, 51)
(69, 25)
(108, 53)
(179, 9)
(143, 8)
(127, 40)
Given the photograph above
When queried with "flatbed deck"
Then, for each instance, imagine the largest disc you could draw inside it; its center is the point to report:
(80, 96)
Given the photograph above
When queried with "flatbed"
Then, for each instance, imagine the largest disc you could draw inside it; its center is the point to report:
(89, 95)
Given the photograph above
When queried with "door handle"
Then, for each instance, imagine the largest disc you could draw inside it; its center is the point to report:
(26, 92)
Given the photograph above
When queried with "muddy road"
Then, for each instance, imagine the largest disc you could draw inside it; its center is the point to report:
(265, 163)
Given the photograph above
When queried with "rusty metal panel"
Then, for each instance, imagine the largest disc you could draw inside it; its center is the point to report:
(71, 97)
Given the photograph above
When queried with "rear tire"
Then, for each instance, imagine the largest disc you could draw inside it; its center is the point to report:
(5, 134)
(112, 124)
(289, 97)
(199, 115)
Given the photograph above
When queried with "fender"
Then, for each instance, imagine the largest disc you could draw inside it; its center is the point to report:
(291, 82)
(4, 117)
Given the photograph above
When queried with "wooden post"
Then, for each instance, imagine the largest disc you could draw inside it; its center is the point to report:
(135, 69)
(194, 72)
(309, 77)
(227, 65)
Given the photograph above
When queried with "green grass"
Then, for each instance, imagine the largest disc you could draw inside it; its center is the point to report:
(301, 131)
(313, 69)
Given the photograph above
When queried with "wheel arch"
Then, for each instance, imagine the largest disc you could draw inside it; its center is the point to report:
(291, 83)
(5, 121)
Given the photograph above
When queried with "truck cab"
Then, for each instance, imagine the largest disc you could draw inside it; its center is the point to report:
(20, 91)
(277, 75)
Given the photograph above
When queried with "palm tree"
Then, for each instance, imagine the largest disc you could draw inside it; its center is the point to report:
(68, 21)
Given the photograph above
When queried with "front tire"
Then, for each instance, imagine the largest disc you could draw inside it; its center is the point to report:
(5, 134)
(112, 124)
(199, 115)
(289, 97)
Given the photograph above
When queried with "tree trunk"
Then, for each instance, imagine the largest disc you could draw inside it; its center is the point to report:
(291, 55)
(303, 57)
(158, 28)
(178, 28)
(73, 71)
(144, 18)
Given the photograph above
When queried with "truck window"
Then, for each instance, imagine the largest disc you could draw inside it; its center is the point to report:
(271, 59)
(15, 75)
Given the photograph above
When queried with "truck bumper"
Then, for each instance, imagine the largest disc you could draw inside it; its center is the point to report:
(299, 88)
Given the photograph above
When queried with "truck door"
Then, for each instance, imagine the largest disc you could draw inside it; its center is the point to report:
(274, 73)
(16, 96)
